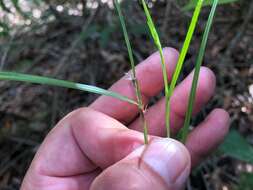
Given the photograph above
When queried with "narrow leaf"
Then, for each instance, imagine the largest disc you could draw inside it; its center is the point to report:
(12, 76)
(185, 47)
(157, 42)
(200, 58)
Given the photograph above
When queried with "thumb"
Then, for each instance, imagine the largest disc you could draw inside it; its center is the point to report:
(163, 164)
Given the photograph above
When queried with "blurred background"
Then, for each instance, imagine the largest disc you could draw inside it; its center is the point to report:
(81, 41)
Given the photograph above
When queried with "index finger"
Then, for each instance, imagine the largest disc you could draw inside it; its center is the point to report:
(149, 75)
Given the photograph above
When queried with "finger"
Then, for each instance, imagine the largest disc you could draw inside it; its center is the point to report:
(155, 115)
(84, 140)
(208, 135)
(163, 164)
(38, 181)
(149, 74)
(77, 148)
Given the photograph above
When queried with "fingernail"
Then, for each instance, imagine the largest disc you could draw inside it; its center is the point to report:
(169, 159)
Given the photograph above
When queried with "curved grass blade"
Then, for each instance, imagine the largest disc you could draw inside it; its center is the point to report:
(157, 42)
(12, 76)
(185, 129)
(185, 48)
(134, 78)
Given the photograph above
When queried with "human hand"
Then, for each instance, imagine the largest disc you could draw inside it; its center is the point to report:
(100, 147)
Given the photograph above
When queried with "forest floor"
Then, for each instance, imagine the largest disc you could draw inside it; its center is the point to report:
(90, 50)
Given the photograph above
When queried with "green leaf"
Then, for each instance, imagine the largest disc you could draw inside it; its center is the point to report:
(184, 131)
(237, 147)
(193, 3)
(157, 42)
(185, 48)
(151, 25)
(245, 182)
(12, 76)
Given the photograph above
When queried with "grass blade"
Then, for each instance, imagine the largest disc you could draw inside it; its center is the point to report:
(191, 4)
(134, 78)
(185, 48)
(12, 76)
(157, 42)
(185, 129)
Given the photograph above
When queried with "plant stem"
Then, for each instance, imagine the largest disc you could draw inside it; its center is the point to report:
(166, 89)
(133, 72)
(185, 129)
(157, 42)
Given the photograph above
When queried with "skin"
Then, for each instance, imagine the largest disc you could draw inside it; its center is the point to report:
(101, 146)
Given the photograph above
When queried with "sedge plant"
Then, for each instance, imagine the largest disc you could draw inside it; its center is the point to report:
(155, 36)
(133, 72)
(12, 76)
(185, 130)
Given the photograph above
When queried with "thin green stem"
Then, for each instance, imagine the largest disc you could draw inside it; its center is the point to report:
(185, 48)
(12, 76)
(157, 42)
(185, 129)
(166, 89)
(133, 73)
